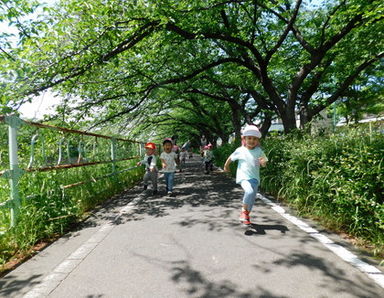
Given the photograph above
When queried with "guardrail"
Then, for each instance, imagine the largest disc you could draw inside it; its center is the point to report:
(14, 172)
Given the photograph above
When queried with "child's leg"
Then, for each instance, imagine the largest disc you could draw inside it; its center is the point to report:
(146, 179)
(166, 177)
(250, 190)
(206, 166)
(170, 181)
(154, 180)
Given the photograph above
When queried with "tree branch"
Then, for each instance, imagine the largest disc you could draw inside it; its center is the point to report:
(285, 33)
(123, 46)
(347, 82)
(188, 35)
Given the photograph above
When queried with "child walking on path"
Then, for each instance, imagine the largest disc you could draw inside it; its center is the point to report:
(250, 157)
(208, 158)
(183, 158)
(168, 162)
(150, 167)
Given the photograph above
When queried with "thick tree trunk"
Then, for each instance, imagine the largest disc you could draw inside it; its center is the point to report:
(266, 125)
(289, 121)
(236, 121)
(304, 116)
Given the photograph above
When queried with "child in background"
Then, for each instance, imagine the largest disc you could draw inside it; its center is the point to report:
(250, 157)
(150, 167)
(208, 158)
(183, 157)
(168, 162)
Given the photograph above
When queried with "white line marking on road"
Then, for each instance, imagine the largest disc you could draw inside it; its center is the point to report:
(371, 271)
(61, 271)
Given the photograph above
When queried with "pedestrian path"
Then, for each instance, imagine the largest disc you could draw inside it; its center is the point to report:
(190, 245)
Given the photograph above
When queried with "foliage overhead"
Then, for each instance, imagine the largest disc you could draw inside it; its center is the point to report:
(256, 59)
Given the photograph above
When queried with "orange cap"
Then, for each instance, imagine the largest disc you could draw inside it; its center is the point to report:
(150, 145)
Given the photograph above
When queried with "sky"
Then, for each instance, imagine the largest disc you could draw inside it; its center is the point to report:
(40, 105)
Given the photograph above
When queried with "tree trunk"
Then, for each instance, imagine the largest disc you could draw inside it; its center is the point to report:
(266, 125)
(289, 121)
(236, 121)
(304, 117)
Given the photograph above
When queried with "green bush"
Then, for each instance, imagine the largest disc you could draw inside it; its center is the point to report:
(222, 153)
(337, 177)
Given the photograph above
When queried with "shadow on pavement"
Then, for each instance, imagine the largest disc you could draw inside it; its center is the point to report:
(9, 285)
(195, 284)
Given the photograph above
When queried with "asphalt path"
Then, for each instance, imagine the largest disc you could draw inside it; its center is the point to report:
(190, 245)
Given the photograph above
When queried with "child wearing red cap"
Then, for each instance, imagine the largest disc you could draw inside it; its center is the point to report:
(150, 166)
(250, 157)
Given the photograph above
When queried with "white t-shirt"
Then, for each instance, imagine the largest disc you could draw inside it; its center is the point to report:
(170, 160)
(249, 166)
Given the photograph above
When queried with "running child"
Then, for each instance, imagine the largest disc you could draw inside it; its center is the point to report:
(250, 157)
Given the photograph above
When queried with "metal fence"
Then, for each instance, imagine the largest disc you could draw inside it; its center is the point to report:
(85, 153)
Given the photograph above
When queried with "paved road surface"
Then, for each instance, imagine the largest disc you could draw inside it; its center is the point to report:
(187, 246)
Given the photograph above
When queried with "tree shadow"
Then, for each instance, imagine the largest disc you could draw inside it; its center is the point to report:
(9, 284)
(195, 284)
(334, 278)
(191, 190)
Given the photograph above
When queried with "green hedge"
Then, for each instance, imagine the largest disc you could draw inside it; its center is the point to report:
(337, 178)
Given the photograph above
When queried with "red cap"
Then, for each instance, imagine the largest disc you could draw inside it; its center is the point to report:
(150, 145)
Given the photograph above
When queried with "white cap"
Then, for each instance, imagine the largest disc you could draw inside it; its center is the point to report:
(251, 130)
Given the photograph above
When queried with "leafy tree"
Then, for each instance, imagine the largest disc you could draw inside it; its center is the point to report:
(262, 58)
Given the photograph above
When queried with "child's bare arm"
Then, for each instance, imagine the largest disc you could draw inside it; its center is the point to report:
(226, 165)
(262, 161)
(163, 163)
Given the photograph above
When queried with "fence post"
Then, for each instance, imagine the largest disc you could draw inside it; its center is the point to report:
(113, 155)
(15, 172)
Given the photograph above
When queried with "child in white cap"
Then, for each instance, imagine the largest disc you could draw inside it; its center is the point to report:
(250, 157)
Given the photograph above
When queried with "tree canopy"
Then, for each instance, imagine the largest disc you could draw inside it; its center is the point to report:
(210, 65)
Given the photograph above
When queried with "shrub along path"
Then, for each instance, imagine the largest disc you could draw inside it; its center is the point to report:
(190, 245)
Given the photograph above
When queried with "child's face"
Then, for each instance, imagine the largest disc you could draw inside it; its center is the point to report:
(149, 151)
(167, 147)
(251, 142)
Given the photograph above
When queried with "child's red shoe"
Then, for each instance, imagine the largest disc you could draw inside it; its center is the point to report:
(244, 218)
